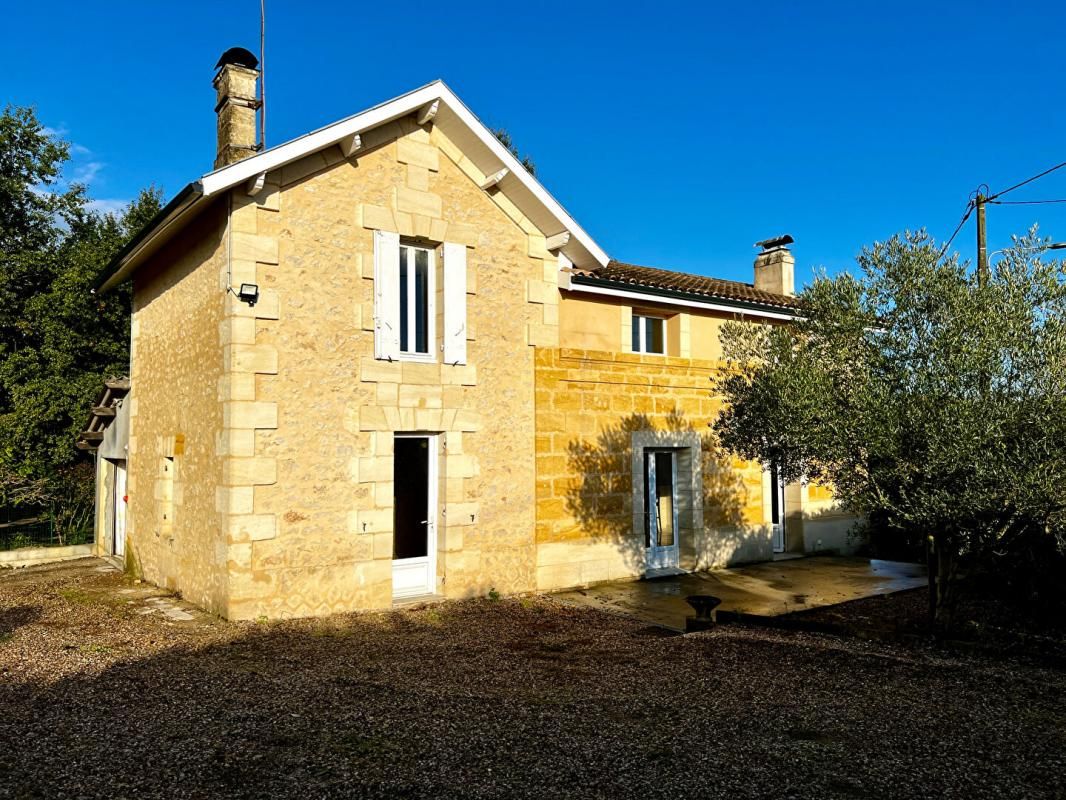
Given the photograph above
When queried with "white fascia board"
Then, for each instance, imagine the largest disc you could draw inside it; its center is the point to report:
(522, 174)
(160, 236)
(649, 297)
(223, 179)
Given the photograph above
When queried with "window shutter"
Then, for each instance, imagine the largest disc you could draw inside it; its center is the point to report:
(386, 295)
(454, 337)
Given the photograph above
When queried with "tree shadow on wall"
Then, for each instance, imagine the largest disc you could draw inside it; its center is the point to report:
(599, 495)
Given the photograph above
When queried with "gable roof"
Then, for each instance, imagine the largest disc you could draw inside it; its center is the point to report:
(476, 141)
(592, 268)
(627, 276)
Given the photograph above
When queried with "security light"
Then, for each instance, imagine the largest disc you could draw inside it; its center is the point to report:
(249, 293)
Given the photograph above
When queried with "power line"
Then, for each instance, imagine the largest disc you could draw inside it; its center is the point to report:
(1024, 202)
(1027, 180)
(979, 198)
(965, 216)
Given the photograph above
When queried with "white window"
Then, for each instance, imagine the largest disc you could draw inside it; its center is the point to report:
(649, 334)
(417, 296)
(406, 300)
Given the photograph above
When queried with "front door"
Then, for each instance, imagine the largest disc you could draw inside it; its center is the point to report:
(118, 538)
(414, 542)
(660, 509)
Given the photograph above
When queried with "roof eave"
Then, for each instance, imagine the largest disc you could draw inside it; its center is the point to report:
(581, 250)
(652, 292)
(150, 237)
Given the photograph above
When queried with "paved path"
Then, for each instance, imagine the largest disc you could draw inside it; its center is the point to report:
(768, 589)
(143, 598)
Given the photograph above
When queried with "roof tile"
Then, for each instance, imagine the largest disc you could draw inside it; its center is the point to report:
(654, 278)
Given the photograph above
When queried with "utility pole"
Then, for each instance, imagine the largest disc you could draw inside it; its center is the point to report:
(982, 241)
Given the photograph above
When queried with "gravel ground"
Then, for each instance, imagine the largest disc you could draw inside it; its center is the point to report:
(981, 625)
(515, 698)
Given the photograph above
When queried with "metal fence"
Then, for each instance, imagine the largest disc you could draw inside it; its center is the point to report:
(37, 533)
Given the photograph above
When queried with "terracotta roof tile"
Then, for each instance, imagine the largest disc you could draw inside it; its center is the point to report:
(653, 278)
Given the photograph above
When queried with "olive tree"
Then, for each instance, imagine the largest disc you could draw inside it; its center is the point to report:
(927, 398)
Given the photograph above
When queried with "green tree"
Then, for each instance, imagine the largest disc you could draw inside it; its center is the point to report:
(929, 401)
(58, 340)
(505, 139)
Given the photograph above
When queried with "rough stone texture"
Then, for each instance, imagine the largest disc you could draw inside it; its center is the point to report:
(774, 272)
(236, 108)
(594, 411)
(174, 531)
(318, 539)
(261, 449)
(247, 363)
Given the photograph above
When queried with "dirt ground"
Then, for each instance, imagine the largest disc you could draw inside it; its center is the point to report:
(111, 689)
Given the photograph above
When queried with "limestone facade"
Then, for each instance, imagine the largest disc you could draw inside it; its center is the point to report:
(596, 412)
(174, 528)
(264, 433)
(599, 406)
(261, 452)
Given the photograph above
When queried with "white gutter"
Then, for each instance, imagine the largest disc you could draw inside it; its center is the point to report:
(155, 238)
(649, 297)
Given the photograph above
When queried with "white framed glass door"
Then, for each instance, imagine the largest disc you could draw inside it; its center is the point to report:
(414, 534)
(660, 509)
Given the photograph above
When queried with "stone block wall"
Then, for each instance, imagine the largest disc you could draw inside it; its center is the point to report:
(595, 410)
(174, 529)
(311, 414)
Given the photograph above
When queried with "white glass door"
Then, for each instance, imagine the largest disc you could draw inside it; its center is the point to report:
(660, 509)
(414, 535)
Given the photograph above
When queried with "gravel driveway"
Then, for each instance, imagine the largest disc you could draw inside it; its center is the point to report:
(513, 698)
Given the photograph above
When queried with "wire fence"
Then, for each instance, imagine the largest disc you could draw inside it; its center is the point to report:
(38, 533)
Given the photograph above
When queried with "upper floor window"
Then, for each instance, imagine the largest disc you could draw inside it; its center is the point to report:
(419, 300)
(417, 313)
(649, 334)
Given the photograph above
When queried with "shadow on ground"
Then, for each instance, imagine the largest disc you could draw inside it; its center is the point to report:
(515, 698)
(766, 589)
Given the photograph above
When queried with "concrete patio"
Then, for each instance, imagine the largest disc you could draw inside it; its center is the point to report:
(767, 589)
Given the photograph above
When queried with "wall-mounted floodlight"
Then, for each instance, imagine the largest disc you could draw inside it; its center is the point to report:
(249, 293)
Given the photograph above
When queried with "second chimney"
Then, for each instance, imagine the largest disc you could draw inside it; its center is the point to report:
(235, 83)
(775, 266)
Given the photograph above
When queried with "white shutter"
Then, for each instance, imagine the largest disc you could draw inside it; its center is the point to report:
(386, 295)
(454, 335)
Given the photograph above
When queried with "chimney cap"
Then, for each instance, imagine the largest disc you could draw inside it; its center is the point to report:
(239, 57)
(775, 242)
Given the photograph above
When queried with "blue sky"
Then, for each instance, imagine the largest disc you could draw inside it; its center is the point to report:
(677, 133)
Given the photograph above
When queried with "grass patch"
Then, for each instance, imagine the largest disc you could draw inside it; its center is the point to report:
(76, 596)
(433, 616)
(328, 631)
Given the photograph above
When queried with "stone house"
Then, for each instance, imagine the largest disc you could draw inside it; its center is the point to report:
(380, 362)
